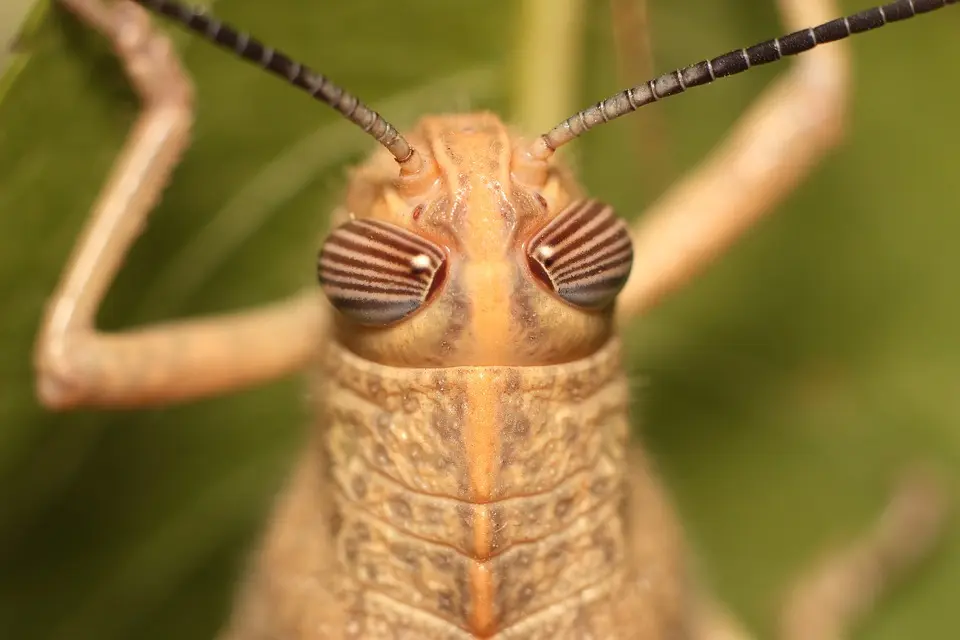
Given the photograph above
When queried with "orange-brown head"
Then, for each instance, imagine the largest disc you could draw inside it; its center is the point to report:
(473, 267)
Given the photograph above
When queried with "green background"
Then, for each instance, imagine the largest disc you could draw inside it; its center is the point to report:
(780, 393)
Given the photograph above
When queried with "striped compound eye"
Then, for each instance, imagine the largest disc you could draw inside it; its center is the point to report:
(376, 273)
(584, 254)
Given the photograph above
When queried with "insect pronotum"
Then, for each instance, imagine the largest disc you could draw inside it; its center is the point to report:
(469, 476)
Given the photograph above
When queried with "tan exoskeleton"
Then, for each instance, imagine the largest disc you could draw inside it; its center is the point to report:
(469, 474)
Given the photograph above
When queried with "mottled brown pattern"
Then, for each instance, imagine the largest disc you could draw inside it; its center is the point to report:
(546, 440)
(408, 534)
(477, 484)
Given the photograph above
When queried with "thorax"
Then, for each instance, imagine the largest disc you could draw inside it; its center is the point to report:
(478, 495)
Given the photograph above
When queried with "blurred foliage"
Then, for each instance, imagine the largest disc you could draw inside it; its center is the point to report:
(782, 391)
(13, 15)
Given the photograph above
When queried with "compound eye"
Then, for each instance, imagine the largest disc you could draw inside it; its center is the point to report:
(583, 255)
(377, 273)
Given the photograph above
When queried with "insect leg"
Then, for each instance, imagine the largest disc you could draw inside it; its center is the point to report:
(770, 150)
(715, 623)
(829, 599)
(77, 365)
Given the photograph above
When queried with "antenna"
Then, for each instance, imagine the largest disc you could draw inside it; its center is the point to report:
(728, 64)
(299, 75)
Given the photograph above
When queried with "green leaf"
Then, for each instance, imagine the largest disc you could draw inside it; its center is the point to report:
(784, 389)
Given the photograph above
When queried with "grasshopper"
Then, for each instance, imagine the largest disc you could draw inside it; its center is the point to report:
(470, 474)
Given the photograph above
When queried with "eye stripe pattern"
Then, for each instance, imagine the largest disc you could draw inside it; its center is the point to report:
(584, 254)
(377, 273)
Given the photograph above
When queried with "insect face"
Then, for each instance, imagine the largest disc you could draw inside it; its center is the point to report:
(476, 259)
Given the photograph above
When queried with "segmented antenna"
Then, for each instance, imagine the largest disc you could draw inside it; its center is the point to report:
(279, 64)
(728, 64)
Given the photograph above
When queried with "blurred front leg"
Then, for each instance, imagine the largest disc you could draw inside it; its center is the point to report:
(77, 365)
(715, 623)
